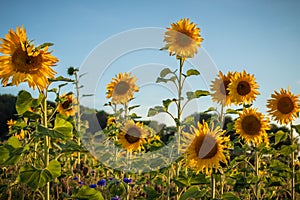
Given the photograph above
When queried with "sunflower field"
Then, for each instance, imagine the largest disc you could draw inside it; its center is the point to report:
(230, 152)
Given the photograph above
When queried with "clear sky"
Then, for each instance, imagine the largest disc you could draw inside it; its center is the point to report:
(260, 36)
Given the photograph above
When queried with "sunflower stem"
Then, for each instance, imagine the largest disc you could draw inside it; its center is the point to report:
(292, 165)
(46, 145)
(78, 119)
(213, 186)
(257, 189)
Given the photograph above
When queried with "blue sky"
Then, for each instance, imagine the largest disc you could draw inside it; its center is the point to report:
(262, 37)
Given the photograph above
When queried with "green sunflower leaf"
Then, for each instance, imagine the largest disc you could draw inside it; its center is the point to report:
(166, 103)
(24, 102)
(196, 94)
(229, 196)
(36, 178)
(154, 111)
(297, 128)
(193, 192)
(182, 182)
(151, 193)
(192, 72)
(165, 72)
(86, 193)
(280, 136)
(231, 111)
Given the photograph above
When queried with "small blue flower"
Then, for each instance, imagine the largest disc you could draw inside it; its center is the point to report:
(111, 179)
(75, 178)
(93, 186)
(80, 183)
(102, 182)
(126, 180)
(116, 198)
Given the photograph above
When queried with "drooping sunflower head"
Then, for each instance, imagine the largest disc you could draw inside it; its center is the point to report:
(22, 62)
(67, 105)
(206, 150)
(243, 88)
(133, 136)
(183, 38)
(284, 106)
(220, 89)
(252, 125)
(121, 89)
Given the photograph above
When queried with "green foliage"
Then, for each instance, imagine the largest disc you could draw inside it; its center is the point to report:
(192, 72)
(196, 94)
(86, 193)
(229, 196)
(36, 178)
(154, 111)
(24, 102)
(192, 192)
(165, 72)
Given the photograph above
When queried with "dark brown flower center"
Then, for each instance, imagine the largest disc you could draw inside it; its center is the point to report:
(183, 39)
(224, 87)
(121, 88)
(251, 125)
(285, 105)
(67, 104)
(24, 63)
(133, 135)
(243, 88)
(206, 147)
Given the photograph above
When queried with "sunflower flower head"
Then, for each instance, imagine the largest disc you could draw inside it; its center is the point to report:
(67, 105)
(284, 106)
(206, 150)
(133, 136)
(22, 62)
(183, 38)
(10, 123)
(20, 135)
(252, 125)
(122, 88)
(243, 88)
(220, 89)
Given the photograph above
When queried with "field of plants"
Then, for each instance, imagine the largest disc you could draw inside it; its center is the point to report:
(229, 152)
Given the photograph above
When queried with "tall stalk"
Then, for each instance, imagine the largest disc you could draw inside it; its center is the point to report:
(46, 143)
(213, 187)
(78, 119)
(257, 188)
(292, 165)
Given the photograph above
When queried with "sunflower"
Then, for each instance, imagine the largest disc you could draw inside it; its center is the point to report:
(67, 105)
(284, 106)
(122, 88)
(132, 136)
(252, 125)
(220, 89)
(110, 120)
(23, 62)
(10, 123)
(206, 150)
(20, 135)
(183, 38)
(242, 88)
